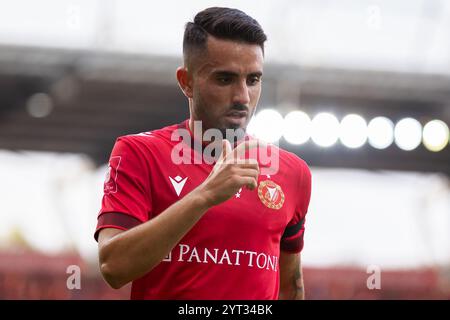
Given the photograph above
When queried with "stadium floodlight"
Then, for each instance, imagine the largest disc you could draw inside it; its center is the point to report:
(252, 126)
(39, 105)
(408, 134)
(325, 129)
(267, 125)
(297, 127)
(381, 132)
(353, 131)
(435, 135)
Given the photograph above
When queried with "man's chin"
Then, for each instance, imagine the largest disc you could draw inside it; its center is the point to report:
(235, 123)
(233, 134)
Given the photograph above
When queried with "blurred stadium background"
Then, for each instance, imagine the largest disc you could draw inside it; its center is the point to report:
(74, 75)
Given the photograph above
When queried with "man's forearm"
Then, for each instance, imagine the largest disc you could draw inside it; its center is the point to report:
(131, 254)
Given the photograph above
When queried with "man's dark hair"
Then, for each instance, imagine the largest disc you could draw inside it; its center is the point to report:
(222, 23)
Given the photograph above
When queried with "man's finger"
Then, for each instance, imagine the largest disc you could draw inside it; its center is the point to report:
(250, 183)
(245, 146)
(226, 150)
(245, 162)
(247, 172)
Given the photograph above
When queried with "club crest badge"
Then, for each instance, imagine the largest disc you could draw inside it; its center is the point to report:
(271, 194)
(110, 184)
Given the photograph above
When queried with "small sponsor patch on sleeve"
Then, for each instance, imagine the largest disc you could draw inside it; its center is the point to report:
(110, 185)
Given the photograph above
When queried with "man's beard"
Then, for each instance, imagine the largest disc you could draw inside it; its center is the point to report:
(233, 134)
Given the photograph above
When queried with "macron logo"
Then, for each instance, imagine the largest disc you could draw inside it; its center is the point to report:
(178, 184)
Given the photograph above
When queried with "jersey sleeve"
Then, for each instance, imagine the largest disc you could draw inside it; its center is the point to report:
(292, 239)
(126, 192)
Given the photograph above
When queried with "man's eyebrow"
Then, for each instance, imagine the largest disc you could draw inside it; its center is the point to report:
(225, 73)
(234, 74)
(257, 74)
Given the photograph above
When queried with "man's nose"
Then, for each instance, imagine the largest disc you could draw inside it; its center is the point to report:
(241, 94)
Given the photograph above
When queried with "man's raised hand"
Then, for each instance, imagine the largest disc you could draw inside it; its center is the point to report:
(230, 173)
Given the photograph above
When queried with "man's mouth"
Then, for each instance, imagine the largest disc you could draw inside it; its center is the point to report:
(235, 114)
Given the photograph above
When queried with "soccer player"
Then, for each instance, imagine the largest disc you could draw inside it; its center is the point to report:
(206, 230)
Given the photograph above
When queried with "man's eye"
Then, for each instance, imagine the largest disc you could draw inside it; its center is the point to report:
(254, 80)
(224, 80)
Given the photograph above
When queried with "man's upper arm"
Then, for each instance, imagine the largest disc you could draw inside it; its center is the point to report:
(292, 238)
(126, 201)
(291, 277)
(115, 221)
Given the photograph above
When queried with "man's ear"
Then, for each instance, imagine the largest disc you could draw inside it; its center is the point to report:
(184, 81)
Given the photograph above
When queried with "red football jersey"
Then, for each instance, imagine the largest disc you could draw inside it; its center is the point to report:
(233, 251)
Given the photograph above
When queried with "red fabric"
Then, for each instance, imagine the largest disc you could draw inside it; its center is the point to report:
(233, 250)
